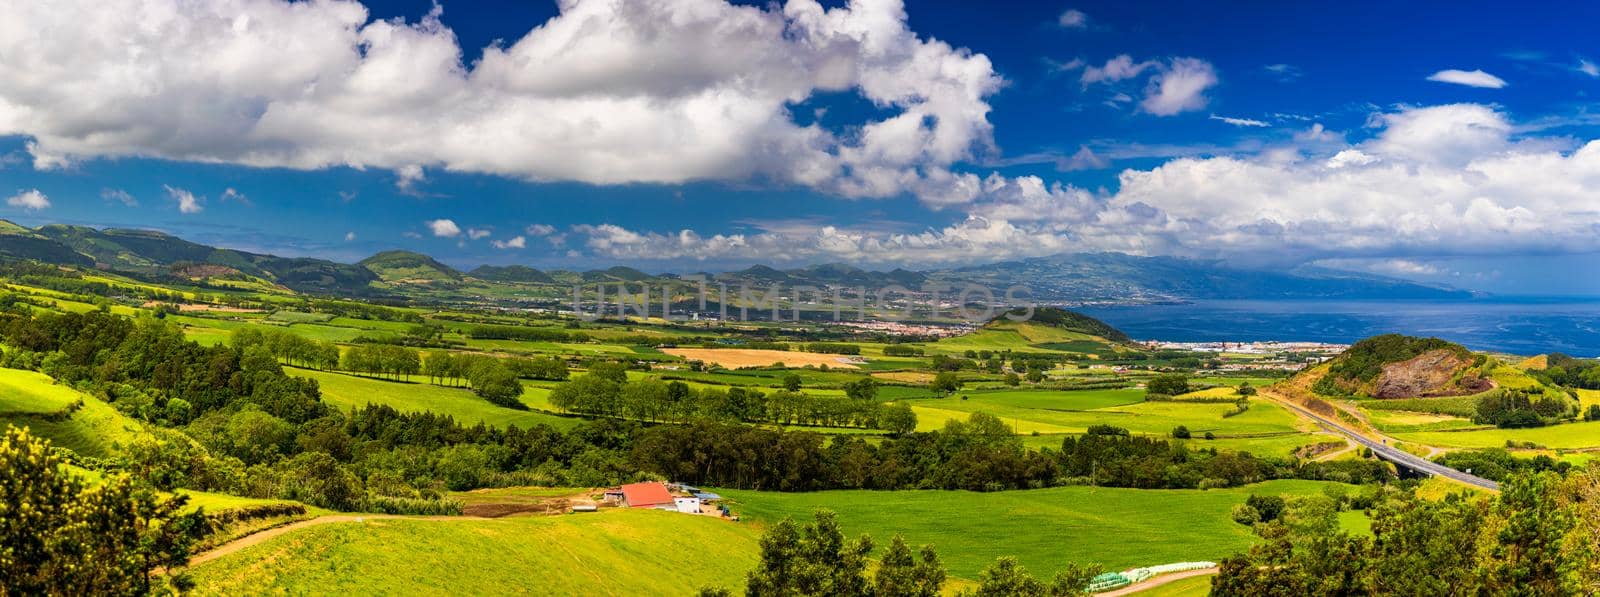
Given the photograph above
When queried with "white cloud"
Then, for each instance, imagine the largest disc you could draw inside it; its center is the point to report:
(349, 236)
(231, 194)
(606, 92)
(188, 203)
(1588, 68)
(31, 200)
(477, 233)
(516, 242)
(1116, 69)
(119, 196)
(540, 229)
(1438, 181)
(1249, 122)
(1073, 19)
(1084, 159)
(1284, 72)
(1470, 78)
(443, 228)
(1179, 88)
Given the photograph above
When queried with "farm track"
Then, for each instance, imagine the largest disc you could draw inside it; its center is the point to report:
(261, 537)
(1140, 587)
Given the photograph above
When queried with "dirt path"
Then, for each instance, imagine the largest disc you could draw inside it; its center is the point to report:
(257, 538)
(1157, 581)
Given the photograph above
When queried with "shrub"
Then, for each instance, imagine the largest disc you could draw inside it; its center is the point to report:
(1245, 515)
(1180, 432)
(1171, 384)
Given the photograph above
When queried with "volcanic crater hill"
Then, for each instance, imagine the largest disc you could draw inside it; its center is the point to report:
(1399, 366)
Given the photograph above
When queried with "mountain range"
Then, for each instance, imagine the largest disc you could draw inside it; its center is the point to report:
(1080, 277)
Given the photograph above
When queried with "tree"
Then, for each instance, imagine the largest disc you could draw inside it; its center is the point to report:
(1035, 376)
(608, 370)
(1593, 413)
(791, 382)
(1171, 384)
(898, 419)
(1006, 578)
(946, 382)
(901, 575)
(865, 388)
(1180, 432)
(1013, 380)
(813, 559)
(60, 537)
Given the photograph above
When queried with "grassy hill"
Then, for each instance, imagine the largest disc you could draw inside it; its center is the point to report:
(1049, 329)
(620, 552)
(33, 400)
(512, 273)
(408, 266)
(1043, 528)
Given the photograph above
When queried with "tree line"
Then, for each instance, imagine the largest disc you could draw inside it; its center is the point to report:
(606, 391)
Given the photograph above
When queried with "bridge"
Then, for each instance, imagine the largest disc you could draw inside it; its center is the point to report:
(1381, 448)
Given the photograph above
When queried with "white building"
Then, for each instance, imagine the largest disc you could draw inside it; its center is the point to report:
(687, 505)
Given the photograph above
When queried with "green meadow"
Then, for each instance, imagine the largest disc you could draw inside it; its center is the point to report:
(618, 552)
(349, 391)
(95, 429)
(1043, 528)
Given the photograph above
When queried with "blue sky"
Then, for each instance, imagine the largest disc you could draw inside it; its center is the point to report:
(1445, 142)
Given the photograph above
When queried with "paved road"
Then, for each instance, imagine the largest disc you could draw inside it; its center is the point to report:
(1393, 454)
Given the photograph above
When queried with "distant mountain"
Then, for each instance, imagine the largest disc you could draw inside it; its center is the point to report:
(1121, 277)
(159, 255)
(512, 273)
(1087, 277)
(409, 267)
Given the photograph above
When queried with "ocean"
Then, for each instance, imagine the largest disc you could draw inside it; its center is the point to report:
(1524, 326)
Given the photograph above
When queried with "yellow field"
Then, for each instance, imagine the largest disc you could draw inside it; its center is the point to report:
(917, 377)
(734, 358)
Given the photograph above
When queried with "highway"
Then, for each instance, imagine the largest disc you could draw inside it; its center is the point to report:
(1390, 453)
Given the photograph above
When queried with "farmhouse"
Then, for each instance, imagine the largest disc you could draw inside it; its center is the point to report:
(647, 495)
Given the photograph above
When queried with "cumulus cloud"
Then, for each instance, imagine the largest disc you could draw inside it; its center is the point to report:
(1433, 182)
(187, 202)
(443, 228)
(477, 233)
(1073, 18)
(119, 196)
(608, 91)
(31, 200)
(1470, 78)
(540, 229)
(1179, 88)
(515, 242)
(1175, 85)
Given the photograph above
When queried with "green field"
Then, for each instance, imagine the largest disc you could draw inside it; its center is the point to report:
(1075, 411)
(24, 391)
(96, 429)
(1043, 528)
(618, 552)
(349, 391)
(1564, 436)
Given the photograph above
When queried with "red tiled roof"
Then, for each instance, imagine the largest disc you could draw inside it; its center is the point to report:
(644, 495)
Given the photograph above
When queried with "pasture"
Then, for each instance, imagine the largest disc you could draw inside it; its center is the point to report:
(96, 429)
(349, 391)
(618, 552)
(1046, 411)
(1043, 528)
(1566, 436)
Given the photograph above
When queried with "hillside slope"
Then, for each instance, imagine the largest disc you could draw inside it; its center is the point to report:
(1397, 366)
(409, 267)
(617, 552)
(1048, 329)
